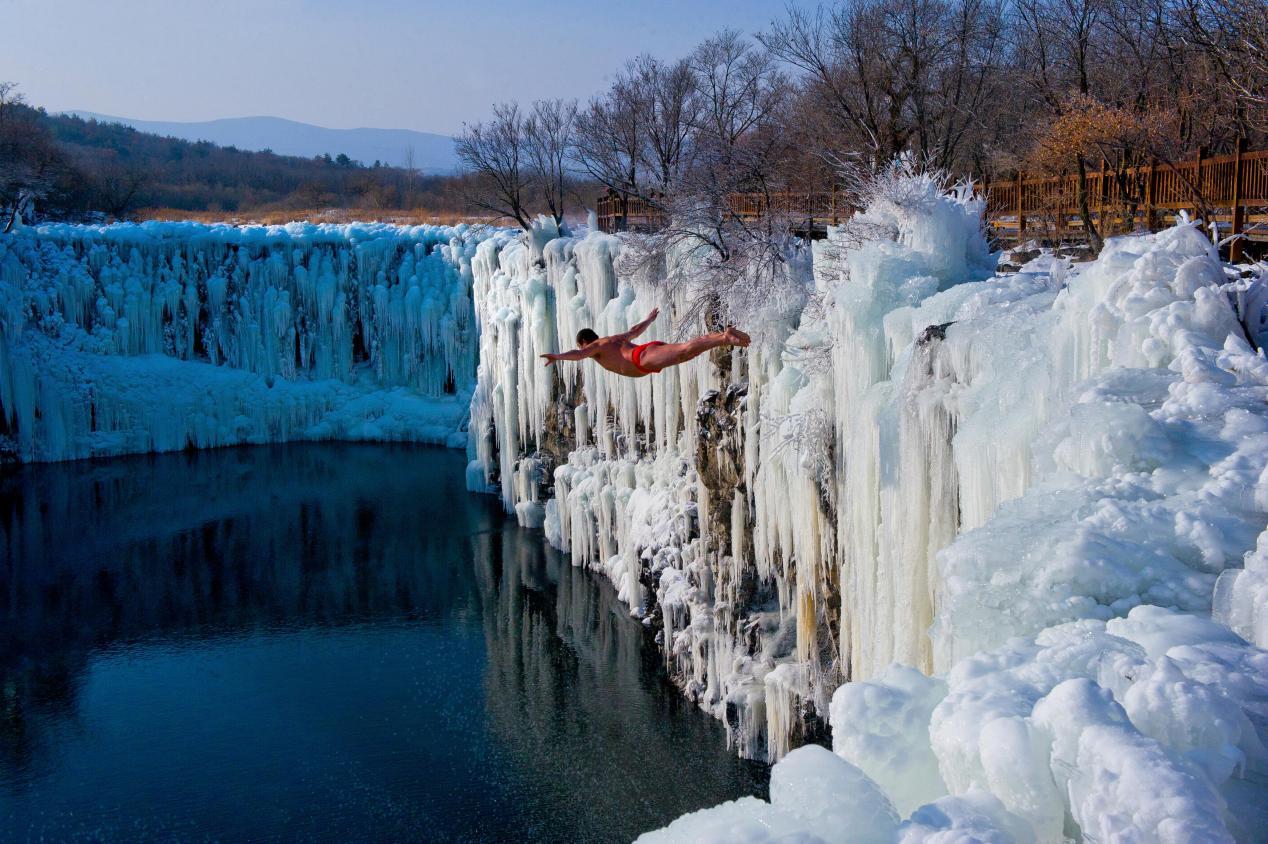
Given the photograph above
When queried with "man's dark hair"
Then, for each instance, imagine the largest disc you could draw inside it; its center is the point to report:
(586, 335)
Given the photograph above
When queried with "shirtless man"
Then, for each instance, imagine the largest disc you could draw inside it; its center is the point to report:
(621, 355)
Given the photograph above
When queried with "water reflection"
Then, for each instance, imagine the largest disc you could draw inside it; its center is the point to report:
(331, 642)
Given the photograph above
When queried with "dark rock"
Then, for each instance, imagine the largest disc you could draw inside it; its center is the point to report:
(720, 466)
(9, 454)
(933, 332)
(558, 436)
(1022, 256)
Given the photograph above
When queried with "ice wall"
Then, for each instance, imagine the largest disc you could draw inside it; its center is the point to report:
(160, 336)
(609, 466)
(991, 526)
(712, 493)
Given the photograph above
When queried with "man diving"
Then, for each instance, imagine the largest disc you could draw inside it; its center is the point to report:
(618, 353)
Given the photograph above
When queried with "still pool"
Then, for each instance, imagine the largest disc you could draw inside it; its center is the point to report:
(322, 642)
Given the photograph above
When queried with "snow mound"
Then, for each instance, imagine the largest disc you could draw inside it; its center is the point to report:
(815, 797)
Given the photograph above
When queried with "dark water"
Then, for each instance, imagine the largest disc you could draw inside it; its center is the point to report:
(321, 643)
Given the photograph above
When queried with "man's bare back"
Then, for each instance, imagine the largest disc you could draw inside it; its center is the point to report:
(620, 354)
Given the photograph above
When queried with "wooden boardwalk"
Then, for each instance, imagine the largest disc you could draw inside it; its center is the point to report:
(1229, 190)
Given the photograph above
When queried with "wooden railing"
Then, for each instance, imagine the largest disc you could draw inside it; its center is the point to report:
(1228, 190)
(618, 214)
(807, 213)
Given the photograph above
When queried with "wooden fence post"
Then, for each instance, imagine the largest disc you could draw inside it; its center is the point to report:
(1151, 179)
(1021, 215)
(985, 193)
(1197, 181)
(1104, 200)
(1239, 213)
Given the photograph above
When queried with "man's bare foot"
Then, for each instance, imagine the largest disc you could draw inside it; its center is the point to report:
(735, 336)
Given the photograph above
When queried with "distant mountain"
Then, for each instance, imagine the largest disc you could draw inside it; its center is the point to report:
(432, 153)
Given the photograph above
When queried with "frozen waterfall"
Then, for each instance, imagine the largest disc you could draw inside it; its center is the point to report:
(990, 526)
(162, 336)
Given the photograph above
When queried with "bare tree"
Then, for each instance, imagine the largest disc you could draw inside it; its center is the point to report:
(548, 144)
(1058, 45)
(29, 159)
(981, 87)
(118, 184)
(670, 103)
(493, 152)
(411, 176)
(892, 75)
(727, 260)
(611, 134)
(636, 138)
(10, 99)
(1233, 36)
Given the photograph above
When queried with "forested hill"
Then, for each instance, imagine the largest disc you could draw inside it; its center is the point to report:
(425, 151)
(91, 166)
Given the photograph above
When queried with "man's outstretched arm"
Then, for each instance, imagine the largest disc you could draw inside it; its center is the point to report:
(575, 354)
(639, 328)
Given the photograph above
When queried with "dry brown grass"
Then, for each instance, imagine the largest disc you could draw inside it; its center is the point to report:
(272, 217)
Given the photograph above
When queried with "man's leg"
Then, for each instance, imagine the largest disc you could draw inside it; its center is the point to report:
(672, 354)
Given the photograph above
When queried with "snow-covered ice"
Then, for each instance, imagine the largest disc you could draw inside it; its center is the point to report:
(162, 336)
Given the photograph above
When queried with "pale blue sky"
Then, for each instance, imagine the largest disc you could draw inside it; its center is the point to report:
(341, 63)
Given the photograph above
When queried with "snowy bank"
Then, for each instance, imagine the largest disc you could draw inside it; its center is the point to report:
(1000, 531)
(161, 336)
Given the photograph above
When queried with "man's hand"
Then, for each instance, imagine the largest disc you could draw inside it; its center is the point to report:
(549, 359)
(642, 326)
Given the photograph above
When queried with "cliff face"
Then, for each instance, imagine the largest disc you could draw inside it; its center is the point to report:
(924, 462)
(713, 493)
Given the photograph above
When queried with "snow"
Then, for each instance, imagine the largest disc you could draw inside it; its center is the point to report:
(974, 817)
(1241, 596)
(888, 736)
(816, 798)
(161, 336)
(1136, 723)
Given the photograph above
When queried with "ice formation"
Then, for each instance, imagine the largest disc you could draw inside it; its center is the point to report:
(805, 806)
(994, 528)
(163, 336)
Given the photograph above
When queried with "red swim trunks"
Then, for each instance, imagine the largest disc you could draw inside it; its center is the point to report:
(637, 357)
